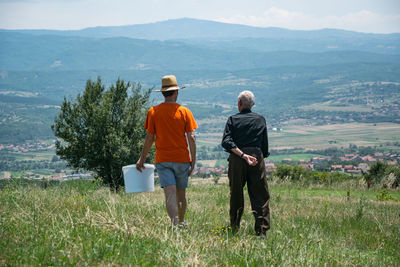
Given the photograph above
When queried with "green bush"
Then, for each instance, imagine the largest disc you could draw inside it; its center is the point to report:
(385, 196)
(329, 178)
(283, 172)
(292, 173)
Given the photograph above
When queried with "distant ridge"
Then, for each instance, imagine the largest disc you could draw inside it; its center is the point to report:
(190, 44)
(188, 28)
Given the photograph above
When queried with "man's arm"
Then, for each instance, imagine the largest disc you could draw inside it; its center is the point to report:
(264, 142)
(229, 144)
(227, 140)
(192, 146)
(148, 142)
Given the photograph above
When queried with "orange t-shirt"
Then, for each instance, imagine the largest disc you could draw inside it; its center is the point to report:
(170, 122)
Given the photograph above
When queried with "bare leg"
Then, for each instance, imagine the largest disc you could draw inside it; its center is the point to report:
(171, 203)
(181, 197)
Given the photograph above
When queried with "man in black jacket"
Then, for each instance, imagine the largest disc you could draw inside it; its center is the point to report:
(245, 138)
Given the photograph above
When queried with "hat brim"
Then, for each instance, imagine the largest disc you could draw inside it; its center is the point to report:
(172, 88)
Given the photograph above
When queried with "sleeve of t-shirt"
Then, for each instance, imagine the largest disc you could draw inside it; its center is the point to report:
(149, 123)
(191, 124)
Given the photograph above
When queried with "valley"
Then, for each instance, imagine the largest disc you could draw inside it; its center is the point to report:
(317, 89)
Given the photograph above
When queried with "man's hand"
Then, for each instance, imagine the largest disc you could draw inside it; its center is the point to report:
(140, 165)
(191, 168)
(192, 146)
(148, 142)
(252, 161)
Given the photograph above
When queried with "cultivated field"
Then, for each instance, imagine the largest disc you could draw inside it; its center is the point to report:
(335, 135)
(294, 157)
(85, 224)
(208, 163)
(331, 106)
(296, 135)
(39, 155)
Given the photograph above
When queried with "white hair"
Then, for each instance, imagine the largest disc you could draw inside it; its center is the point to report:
(247, 99)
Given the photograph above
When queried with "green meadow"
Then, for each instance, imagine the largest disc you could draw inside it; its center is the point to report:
(84, 223)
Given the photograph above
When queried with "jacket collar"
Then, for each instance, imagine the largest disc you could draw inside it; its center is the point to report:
(245, 110)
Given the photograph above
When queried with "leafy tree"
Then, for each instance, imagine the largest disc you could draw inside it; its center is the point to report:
(375, 173)
(380, 173)
(323, 166)
(102, 130)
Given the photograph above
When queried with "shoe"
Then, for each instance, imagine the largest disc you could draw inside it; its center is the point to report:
(261, 235)
(183, 225)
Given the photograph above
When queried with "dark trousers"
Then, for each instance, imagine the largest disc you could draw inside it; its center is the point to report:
(239, 173)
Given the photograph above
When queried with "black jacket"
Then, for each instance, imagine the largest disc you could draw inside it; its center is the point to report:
(246, 129)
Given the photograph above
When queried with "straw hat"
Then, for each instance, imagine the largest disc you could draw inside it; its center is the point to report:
(169, 83)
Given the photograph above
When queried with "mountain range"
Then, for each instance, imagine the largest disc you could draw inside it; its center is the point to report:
(189, 44)
(188, 28)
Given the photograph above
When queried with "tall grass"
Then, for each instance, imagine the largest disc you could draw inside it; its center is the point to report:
(85, 224)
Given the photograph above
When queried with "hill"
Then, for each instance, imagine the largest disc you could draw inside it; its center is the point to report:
(317, 77)
(47, 52)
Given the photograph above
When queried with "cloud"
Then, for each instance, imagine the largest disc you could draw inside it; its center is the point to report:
(65, 14)
(37, 1)
(362, 21)
(310, 14)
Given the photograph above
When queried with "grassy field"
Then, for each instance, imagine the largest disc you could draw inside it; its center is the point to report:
(83, 223)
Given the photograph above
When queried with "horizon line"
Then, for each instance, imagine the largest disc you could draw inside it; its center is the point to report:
(187, 18)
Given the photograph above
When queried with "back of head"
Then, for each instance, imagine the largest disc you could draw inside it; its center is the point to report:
(247, 99)
(168, 93)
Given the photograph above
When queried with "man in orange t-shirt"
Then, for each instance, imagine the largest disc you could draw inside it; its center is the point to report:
(172, 127)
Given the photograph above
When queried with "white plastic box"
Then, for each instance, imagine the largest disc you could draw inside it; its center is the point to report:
(136, 181)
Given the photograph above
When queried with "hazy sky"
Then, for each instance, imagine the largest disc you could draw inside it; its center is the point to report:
(377, 16)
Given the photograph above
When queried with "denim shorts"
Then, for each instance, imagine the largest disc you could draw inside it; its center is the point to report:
(173, 173)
